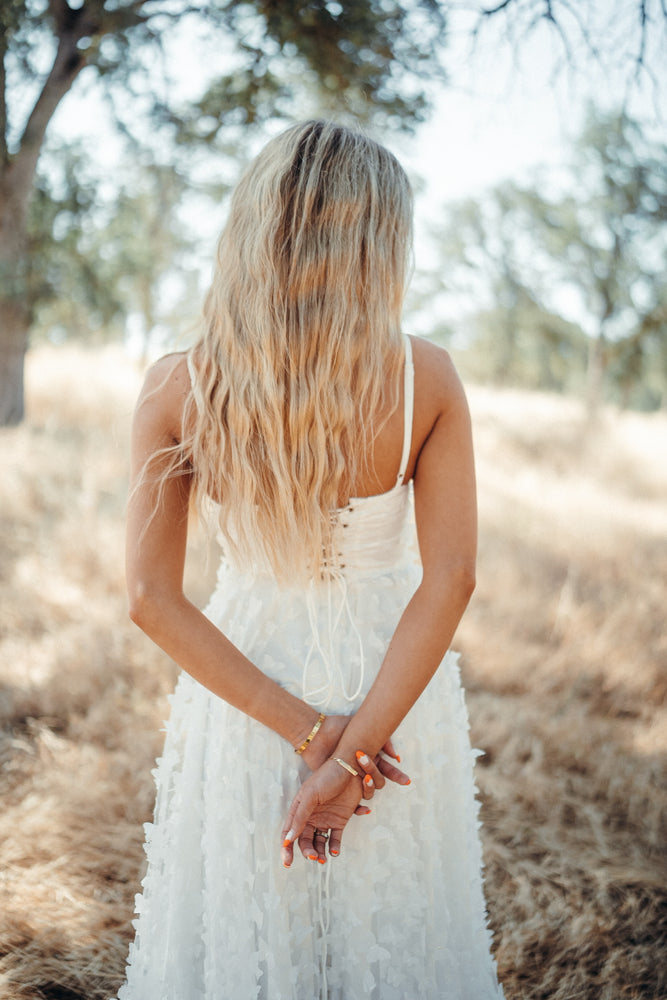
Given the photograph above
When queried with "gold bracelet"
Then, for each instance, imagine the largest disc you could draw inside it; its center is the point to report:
(311, 735)
(344, 763)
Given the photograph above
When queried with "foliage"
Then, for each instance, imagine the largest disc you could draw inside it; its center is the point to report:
(598, 242)
(95, 261)
(371, 56)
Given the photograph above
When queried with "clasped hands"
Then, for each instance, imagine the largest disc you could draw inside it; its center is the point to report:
(331, 794)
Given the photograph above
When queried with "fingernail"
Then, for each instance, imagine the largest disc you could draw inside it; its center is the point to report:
(289, 837)
(398, 757)
(285, 866)
(362, 758)
(313, 857)
(408, 782)
(333, 852)
(322, 861)
(368, 780)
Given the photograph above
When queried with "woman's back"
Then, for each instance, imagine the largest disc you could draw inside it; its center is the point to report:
(436, 390)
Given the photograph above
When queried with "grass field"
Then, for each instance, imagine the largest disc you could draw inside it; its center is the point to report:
(565, 656)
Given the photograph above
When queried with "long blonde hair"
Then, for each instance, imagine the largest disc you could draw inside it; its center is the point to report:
(302, 337)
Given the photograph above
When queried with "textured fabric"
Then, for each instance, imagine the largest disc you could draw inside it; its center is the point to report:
(400, 914)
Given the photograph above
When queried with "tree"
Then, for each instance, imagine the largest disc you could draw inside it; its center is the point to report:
(491, 271)
(368, 55)
(94, 261)
(600, 242)
(626, 39)
(607, 241)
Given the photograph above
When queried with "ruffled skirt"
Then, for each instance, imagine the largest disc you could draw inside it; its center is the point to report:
(399, 915)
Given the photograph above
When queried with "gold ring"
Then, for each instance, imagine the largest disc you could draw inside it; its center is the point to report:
(322, 833)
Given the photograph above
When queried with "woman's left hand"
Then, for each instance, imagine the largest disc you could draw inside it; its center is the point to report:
(325, 801)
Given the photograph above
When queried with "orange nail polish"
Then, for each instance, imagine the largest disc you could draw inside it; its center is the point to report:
(322, 861)
(312, 857)
(287, 843)
(398, 757)
(368, 780)
(359, 754)
(334, 853)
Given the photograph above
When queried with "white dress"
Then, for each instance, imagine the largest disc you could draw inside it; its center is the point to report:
(400, 915)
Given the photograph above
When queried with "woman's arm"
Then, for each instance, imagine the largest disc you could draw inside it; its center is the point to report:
(155, 557)
(446, 514)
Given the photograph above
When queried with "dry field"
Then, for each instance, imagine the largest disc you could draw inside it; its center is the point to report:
(565, 650)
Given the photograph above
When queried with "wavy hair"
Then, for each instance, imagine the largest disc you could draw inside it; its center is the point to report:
(299, 361)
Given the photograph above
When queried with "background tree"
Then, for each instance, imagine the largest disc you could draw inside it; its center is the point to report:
(607, 241)
(599, 242)
(95, 261)
(367, 55)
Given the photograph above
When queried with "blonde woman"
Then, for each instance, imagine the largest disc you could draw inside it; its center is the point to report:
(306, 420)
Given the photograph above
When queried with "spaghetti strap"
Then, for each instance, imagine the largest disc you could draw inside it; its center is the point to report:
(196, 390)
(409, 405)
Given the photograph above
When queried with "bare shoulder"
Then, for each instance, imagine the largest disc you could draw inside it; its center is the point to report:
(163, 394)
(437, 383)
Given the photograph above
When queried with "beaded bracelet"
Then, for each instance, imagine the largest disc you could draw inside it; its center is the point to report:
(311, 735)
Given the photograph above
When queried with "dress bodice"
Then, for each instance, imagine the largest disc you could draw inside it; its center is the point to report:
(370, 533)
(373, 533)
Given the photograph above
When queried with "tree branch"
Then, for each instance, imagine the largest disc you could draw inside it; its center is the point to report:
(66, 66)
(528, 13)
(71, 26)
(489, 11)
(643, 21)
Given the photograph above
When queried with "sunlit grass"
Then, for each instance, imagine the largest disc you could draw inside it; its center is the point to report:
(564, 645)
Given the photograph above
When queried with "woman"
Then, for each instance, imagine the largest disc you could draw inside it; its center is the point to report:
(303, 414)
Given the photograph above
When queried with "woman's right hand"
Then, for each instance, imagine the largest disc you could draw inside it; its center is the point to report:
(327, 739)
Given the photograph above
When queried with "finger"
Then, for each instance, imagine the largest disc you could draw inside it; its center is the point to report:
(362, 811)
(320, 844)
(306, 845)
(335, 841)
(368, 786)
(388, 748)
(392, 773)
(370, 768)
(297, 817)
(287, 854)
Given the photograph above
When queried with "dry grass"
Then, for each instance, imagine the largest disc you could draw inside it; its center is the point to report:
(565, 650)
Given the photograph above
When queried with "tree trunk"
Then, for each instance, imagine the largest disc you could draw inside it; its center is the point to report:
(14, 327)
(14, 300)
(17, 174)
(595, 373)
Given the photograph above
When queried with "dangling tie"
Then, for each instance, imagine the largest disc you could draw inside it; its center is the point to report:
(326, 649)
